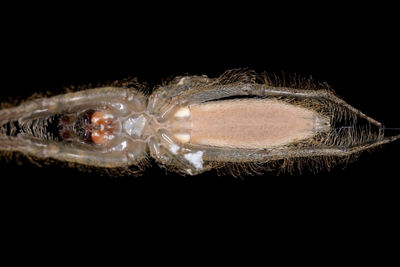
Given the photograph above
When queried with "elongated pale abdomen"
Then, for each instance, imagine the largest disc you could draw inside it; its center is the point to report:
(251, 123)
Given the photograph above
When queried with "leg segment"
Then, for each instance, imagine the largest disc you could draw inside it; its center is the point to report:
(64, 152)
(43, 106)
(265, 155)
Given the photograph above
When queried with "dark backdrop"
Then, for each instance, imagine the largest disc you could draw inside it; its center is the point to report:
(349, 211)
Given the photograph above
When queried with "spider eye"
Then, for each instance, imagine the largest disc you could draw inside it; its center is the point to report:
(102, 124)
(99, 137)
(65, 134)
(65, 119)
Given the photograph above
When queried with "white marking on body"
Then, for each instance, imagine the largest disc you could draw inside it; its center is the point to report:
(182, 112)
(40, 110)
(174, 148)
(118, 106)
(121, 146)
(134, 126)
(196, 159)
(181, 81)
(184, 138)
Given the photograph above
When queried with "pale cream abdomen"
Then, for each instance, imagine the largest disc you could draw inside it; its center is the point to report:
(250, 123)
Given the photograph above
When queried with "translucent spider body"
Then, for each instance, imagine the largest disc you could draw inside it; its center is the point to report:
(191, 125)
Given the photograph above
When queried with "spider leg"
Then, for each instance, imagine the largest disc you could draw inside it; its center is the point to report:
(169, 153)
(334, 151)
(265, 155)
(63, 152)
(40, 107)
(323, 94)
(163, 95)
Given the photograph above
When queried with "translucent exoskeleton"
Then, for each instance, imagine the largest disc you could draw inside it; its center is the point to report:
(193, 124)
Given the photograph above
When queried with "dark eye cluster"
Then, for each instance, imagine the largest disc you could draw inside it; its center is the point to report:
(82, 126)
(76, 127)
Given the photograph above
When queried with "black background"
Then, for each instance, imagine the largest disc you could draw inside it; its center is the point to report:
(350, 49)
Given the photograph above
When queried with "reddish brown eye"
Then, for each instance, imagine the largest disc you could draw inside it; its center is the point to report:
(65, 119)
(65, 135)
(101, 118)
(99, 137)
(102, 127)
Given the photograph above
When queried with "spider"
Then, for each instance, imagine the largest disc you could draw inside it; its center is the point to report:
(241, 120)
